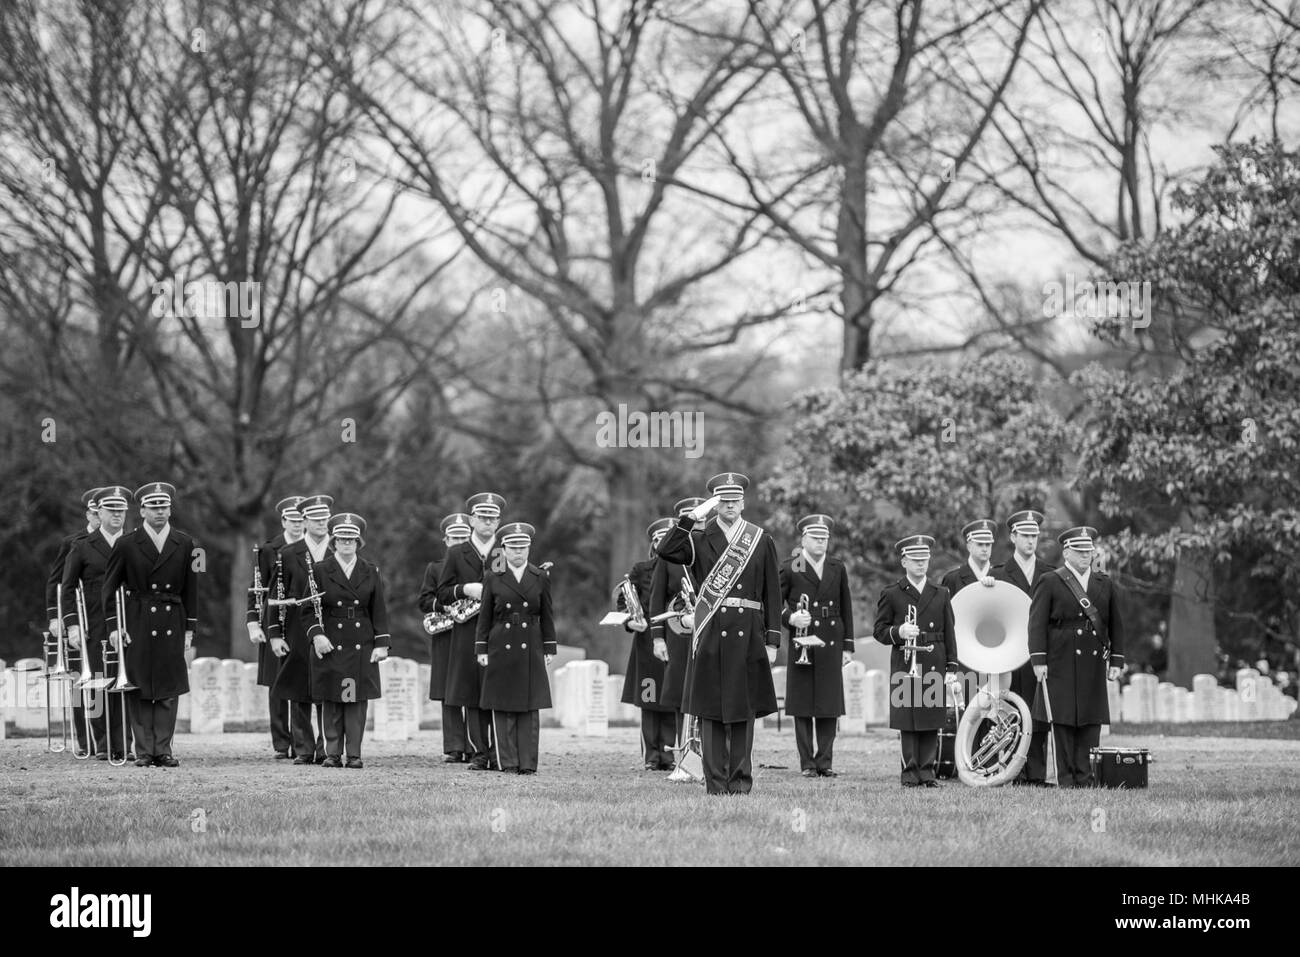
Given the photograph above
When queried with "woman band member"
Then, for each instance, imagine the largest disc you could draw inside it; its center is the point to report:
(349, 637)
(515, 643)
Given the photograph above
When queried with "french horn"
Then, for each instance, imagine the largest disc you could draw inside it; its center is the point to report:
(992, 630)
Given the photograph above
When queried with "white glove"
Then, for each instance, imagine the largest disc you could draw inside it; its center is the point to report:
(704, 508)
(661, 649)
(279, 647)
(56, 628)
(988, 581)
(845, 658)
(908, 632)
(74, 636)
(637, 625)
(473, 590)
(482, 660)
(379, 654)
(800, 619)
(688, 621)
(255, 633)
(189, 640)
(322, 646)
(771, 655)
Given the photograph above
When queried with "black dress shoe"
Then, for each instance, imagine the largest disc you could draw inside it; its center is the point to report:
(281, 755)
(527, 770)
(303, 759)
(453, 757)
(320, 758)
(828, 773)
(117, 756)
(510, 771)
(667, 766)
(808, 773)
(931, 784)
(143, 762)
(480, 765)
(331, 761)
(355, 764)
(466, 757)
(101, 755)
(166, 761)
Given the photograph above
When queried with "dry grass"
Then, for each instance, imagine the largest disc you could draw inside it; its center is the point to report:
(1213, 801)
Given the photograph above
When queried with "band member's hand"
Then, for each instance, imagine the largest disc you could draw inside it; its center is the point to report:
(189, 640)
(279, 647)
(482, 660)
(255, 633)
(637, 625)
(845, 658)
(702, 510)
(688, 621)
(661, 649)
(548, 659)
(800, 619)
(115, 639)
(74, 636)
(1040, 672)
(56, 628)
(379, 654)
(771, 655)
(322, 646)
(988, 581)
(908, 632)
(473, 590)
(1113, 672)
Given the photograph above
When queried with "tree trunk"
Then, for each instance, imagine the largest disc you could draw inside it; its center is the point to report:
(856, 294)
(241, 576)
(1193, 647)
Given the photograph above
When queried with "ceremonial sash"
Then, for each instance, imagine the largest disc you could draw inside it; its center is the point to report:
(725, 573)
(1076, 589)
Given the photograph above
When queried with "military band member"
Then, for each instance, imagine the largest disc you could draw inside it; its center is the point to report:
(349, 636)
(1023, 569)
(979, 536)
(155, 566)
(911, 611)
(53, 581)
(462, 579)
(514, 642)
(737, 629)
(668, 639)
(814, 692)
(85, 565)
(268, 665)
(289, 641)
(647, 661)
(1076, 643)
(455, 745)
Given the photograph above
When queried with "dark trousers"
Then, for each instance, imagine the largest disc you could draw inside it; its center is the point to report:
(725, 750)
(920, 753)
(658, 730)
(153, 721)
(454, 738)
(815, 756)
(478, 734)
(279, 712)
(304, 742)
(517, 734)
(344, 724)
(114, 728)
(1072, 747)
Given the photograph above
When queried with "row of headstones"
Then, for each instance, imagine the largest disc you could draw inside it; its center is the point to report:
(1256, 698)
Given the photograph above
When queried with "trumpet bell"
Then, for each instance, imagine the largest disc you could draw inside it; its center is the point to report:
(992, 627)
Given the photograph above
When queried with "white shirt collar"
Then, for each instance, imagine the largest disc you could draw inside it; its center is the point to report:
(480, 547)
(979, 573)
(1026, 565)
(160, 539)
(347, 566)
(1083, 579)
(816, 564)
(318, 549)
(730, 530)
(111, 539)
(919, 586)
(518, 572)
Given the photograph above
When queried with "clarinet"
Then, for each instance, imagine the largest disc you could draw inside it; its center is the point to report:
(279, 587)
(311, 587)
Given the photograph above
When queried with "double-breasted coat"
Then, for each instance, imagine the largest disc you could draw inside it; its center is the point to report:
(516, 630)
(463, 566)
(440, 644)
(917, 704)
(665, 585)
(728, 678)
(87, 563)
(267, 663)
(1062, 636)
(293, 681)
(1023, 682)
(643, 684)
(354, 618)
(161, 605)
(816, 690)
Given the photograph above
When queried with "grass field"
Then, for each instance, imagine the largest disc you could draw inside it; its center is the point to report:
(1212, 801)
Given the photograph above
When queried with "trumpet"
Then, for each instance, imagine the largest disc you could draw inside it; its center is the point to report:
(631, 602)
(910, 648)
(801, 633)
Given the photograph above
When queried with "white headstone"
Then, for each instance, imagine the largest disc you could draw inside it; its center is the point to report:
(1288, 707)
(876, 708)
(414, 693)
(390, 713)
(1146, 686)
(854, 721)
(1131, 705)
(29, 691)
(184, 704)
(430, 711)
(1205, 698)
(1165, 701)
(1248, 689)
(1182, 705)
(254, 695)
(1114, 700)
(618, 711)
(1230, 704)
(232, 691)
(595, 688)
(1268, 700)
(206, 691)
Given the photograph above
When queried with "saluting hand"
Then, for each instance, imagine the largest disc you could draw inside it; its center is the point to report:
(702, 510)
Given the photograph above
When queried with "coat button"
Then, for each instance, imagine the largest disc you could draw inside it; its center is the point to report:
(832, 622)
(1077, 651)
(155, 587)
(524, 645)
(340, 626)
(507, 626)
(830, 604)
(737, 588)
(1081, 631)
(814, 604)
(356, 601)
(155, 608)
(724, 634)
(740, 634)
(358, 624)
(507, 604)
(507, 647)
(169, 631)
(931, 624)
(525, 604)
(523, 624)
(358, 647)
(154, 634)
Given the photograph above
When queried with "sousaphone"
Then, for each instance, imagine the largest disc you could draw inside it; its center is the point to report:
(992, 629)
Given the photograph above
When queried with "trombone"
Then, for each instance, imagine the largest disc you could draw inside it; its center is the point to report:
(85, 680)
(115, 656)
(56, 670)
